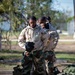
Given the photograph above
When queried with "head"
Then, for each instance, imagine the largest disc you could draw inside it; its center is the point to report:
(49, 19)
(42, 21)
(42, 25)
(32, 21)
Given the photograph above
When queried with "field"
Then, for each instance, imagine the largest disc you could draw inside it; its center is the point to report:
(65, 52)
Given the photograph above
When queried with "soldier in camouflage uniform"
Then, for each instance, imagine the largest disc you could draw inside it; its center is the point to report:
(51, 44)
(32, 33)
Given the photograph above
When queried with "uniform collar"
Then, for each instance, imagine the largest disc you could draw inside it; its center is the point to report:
(33, 28)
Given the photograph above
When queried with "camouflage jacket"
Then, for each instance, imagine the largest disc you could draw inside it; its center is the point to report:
(41, 38)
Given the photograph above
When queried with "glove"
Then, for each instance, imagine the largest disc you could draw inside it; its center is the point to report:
(29, 46)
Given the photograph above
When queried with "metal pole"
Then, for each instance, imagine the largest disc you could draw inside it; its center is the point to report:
(74, 11)
(0, 39)
(74, 18)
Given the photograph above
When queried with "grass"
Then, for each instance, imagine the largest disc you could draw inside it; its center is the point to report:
(68, 57)
(10, 51)
(60, 56)
(7, 54)
(6, 67)
(65, 55)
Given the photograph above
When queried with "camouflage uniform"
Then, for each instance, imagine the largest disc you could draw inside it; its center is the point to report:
(50, 54)
(35, 35)
(56, 36)
(39, 37)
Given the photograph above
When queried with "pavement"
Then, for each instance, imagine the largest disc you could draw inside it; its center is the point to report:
(66, 40)
(60, 40)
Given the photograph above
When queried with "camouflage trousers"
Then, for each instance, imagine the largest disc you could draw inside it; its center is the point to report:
(50, 57)
(27, 61)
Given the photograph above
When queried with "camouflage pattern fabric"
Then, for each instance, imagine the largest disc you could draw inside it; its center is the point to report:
(40, 56)
(27, 62)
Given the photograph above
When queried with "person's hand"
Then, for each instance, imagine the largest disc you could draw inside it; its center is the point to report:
(29, 46)
(27, 53)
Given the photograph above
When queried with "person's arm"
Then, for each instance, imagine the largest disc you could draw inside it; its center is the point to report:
(54, 29)
(51, 27)
(21, 39)
(55, 36)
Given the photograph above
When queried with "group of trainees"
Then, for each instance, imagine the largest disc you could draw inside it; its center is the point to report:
(45, 38)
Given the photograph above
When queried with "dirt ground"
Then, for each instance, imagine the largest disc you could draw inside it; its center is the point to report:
(65, 47)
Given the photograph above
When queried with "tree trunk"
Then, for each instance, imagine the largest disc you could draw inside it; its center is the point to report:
(0, 40)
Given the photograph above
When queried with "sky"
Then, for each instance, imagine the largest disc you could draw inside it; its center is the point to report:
(63, 5)
(3, 26)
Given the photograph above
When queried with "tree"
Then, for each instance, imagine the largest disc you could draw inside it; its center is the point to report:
(17, 12)
(12, 10)
(38, 7)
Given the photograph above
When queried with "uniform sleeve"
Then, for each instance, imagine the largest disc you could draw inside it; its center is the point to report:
(49, 40)
(51, 27)
(54, 30)
(54, 37)
(21, 39)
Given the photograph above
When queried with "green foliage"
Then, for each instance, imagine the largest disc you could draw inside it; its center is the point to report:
(70, 70)
(1, 19)
(70, 19)
(12, 8)
(16, 8)
(38, 7)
